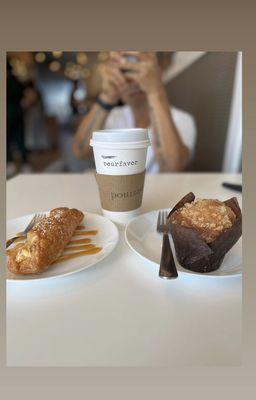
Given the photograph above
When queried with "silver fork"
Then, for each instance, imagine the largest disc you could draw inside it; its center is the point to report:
(34, 220)
(167, 269)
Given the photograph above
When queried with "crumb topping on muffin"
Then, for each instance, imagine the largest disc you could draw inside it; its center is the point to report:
(209, 217)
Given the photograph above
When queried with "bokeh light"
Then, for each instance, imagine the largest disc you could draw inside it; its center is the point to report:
(103, 56)
(54, 66)
(40, 57)
(19, 69)
(57, 54)
(81, 58)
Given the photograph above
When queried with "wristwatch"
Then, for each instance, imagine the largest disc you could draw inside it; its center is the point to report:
(104, 105)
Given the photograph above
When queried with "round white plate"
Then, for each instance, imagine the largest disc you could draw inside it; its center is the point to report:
(107, 238)
(143, 239)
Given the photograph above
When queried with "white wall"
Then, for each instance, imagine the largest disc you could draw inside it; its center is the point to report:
(233, 148)
(181, 60)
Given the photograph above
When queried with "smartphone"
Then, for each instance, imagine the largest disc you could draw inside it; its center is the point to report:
(130, 58)
(133, 59)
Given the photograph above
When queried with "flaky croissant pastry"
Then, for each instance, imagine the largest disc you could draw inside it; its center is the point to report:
(46, 242)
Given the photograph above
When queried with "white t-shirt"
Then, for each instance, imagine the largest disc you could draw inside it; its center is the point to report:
(122, 117)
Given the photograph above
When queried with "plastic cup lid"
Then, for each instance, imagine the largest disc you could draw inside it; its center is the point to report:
(120, 136)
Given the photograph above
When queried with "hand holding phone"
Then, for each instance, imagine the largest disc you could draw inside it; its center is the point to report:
(129, 58)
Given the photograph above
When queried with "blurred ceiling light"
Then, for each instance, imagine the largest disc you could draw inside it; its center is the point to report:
(81, 58)
(19, 69)
(54, 66)
(75, 71)
(69, 68)
(72, 73)
(13, 61)
(57, 54)
(40, 57)
(102, 56)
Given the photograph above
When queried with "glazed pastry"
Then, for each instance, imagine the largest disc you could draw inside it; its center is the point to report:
(46, 242)
(204, 230)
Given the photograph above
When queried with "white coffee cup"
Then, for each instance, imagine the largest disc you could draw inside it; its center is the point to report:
(120, 152)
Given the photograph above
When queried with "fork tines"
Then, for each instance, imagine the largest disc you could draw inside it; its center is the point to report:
(34, 220)
(162, 224)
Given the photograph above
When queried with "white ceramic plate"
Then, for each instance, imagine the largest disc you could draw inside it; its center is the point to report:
(107, 238)
(141, 236)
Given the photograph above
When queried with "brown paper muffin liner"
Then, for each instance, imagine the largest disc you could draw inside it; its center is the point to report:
(193, 252)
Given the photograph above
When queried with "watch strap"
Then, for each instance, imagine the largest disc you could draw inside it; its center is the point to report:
(106, 106)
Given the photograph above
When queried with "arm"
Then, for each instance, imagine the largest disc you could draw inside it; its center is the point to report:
(112, 80)
(171, 154)
(93, 121)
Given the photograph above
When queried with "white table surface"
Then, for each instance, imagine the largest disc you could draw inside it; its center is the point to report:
(119, 313)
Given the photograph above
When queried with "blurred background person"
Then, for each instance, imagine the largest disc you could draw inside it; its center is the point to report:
(135, 79)
(74, 102)
(16, 149)
(78, 102)
(36, 139)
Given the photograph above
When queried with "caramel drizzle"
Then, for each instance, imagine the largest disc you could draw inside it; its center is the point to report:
(85, 233)
(85, 248)
(93, 250)
(80, 241)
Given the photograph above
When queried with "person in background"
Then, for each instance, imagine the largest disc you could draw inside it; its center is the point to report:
(78, 103)
(16, 150)
(74, 103)
(135, 79)
(36, 137)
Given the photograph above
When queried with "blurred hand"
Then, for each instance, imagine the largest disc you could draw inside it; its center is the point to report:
(113, 81)
(146, 72)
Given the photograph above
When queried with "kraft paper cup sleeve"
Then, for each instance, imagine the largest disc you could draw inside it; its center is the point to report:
(193, 252)
(120, 192)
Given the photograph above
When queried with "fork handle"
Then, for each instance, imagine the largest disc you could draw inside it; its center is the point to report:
(10, 241)
(167, 269)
